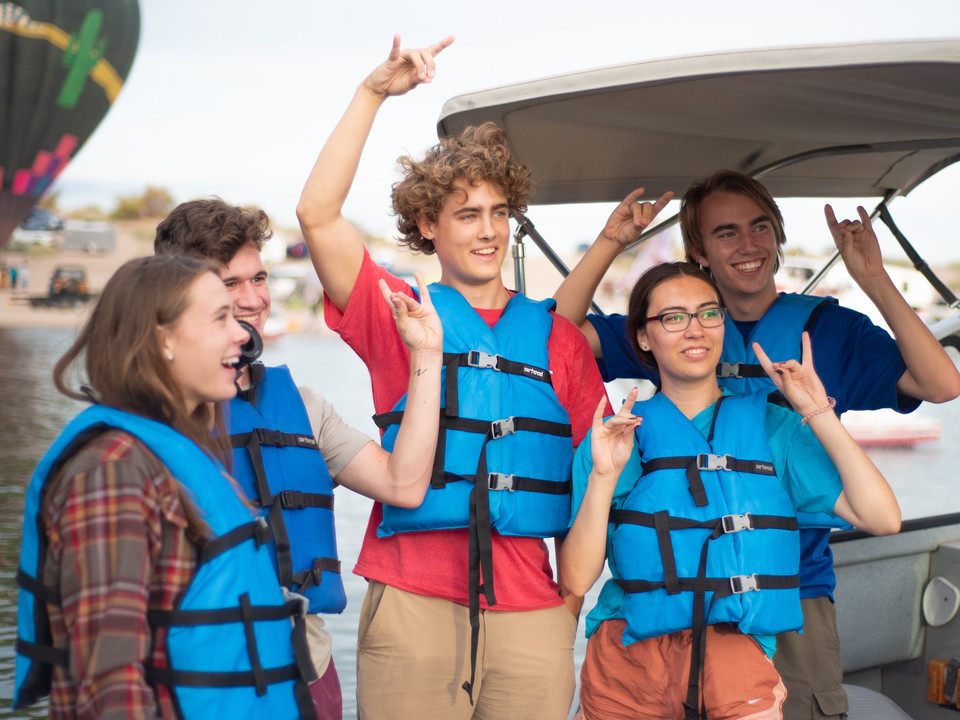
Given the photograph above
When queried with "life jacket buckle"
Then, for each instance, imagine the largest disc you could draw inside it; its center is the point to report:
(499, 428)
(736, 523)
(744, 583)
(262, 534)
(728, 370)
(297, 600)
(706, 461)
(499, 481)
(480, 359)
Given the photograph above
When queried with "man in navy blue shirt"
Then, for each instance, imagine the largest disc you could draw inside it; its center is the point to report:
(733, 228)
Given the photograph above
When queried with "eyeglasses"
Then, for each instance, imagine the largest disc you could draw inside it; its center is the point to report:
(678, 321)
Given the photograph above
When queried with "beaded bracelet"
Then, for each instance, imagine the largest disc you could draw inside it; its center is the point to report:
(831, 404)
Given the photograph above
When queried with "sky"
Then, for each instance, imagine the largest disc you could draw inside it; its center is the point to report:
(236, 98)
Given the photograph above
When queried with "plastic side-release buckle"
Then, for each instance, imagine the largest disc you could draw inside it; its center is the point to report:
(499, 428)
(480, 359)
(743, 583)
(736, 523)
(499, 481)
(706, 461)
(302, 601)
(728, 370)
(262, 534)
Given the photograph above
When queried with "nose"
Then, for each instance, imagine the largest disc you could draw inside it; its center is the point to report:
(694, 329)
(246, 297)
(488, 229)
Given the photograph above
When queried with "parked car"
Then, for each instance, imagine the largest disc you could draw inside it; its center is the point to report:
(41, 218)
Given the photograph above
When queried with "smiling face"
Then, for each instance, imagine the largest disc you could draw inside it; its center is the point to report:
(471, 234)
(740, 249)
(246, 281)
(205, 344)
(687, 356)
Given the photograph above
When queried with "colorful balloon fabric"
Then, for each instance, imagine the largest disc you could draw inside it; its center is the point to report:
(62, 65)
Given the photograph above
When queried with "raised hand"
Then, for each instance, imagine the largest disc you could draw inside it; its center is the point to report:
(403, 70)
(797, 382)
(631, 217)
(611, 442)
(418, 323)
(858, 245)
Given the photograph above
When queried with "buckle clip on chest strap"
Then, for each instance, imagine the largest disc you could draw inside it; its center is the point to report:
(485, 361)
(499, 481)
(736, 523)
(728, 370)
(499, 428)
(740, 584)
(706, 461)
(296, 602)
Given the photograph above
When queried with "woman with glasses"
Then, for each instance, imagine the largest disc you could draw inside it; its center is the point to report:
(690, 497)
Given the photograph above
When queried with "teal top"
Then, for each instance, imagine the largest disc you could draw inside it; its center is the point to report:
(803, 467)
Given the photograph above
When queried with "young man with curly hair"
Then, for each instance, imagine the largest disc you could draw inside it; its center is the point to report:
(520, 390)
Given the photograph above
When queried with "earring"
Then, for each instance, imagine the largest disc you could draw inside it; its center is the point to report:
(170, 355)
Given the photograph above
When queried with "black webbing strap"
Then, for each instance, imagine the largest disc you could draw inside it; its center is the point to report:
(480, 557)
(43, 653)
(196, 678)
(257, 530)
(297, 500)
(51, 596)
(308, 673)
(313, 577)
(693, 464)
(223, 616)
(247, 618)
(272, 438)
(728, 523)
(740, 370)
(511, 483)
(661, 523)
(486, 361)
(720, 586)
(693, 706)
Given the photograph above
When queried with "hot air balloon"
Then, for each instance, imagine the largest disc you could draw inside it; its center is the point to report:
(62, 65)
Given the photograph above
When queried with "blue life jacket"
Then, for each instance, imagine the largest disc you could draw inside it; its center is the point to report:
(500, 414)
(505, 449)
(232, 649)
(278, 464)
(779, 333)
(708, 534)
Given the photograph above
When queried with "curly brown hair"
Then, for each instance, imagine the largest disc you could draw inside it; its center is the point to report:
(479, 154)
(211, 230)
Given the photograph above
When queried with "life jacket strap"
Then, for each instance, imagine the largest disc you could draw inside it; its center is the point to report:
(42, 653)
(291, 608)
(740, 370)
(257, 530)
(274, 438)
(51, 596)
(313, 577)
(727, 523)
(298, 500)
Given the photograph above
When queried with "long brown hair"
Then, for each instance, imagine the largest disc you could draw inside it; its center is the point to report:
(118, 355)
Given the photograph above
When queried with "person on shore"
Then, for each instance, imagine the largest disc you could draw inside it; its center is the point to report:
(136, 544)
(732, 226)
(694, 511)
(290, 447)
(520, 386)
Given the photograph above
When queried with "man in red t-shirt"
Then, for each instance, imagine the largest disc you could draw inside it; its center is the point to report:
(433, 641)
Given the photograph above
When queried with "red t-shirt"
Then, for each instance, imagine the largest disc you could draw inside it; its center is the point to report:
(434, 563)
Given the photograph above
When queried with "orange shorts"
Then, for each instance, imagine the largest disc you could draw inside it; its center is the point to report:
(648, 679)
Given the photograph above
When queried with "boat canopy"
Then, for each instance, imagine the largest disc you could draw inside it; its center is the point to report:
(855, 120)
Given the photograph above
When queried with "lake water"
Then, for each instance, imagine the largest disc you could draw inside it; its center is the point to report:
(33, 413)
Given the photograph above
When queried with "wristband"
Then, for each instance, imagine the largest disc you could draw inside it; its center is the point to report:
(831, 404)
